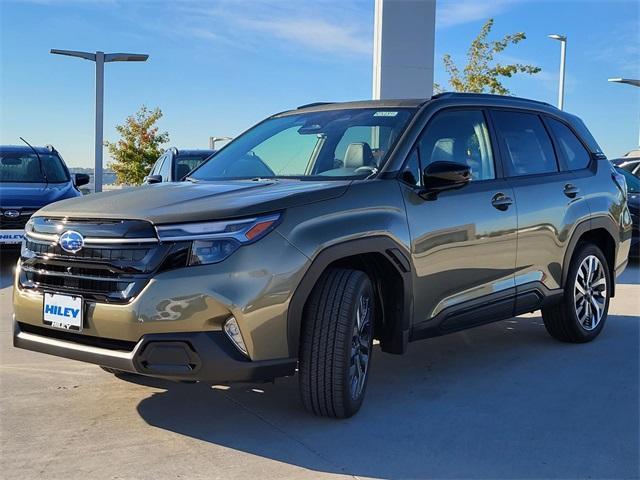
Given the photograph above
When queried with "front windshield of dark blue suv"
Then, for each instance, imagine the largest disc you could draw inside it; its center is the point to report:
(24, 167)
(328, 144)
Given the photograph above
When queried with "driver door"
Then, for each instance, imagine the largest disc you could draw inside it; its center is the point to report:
(463, 241)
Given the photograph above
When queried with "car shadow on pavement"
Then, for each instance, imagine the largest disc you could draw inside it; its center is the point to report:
(497, 401)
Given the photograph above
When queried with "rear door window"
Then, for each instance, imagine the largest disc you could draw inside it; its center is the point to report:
(574, 153)
(526, 146)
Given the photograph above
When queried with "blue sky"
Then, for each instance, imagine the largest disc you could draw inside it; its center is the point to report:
(217, 67)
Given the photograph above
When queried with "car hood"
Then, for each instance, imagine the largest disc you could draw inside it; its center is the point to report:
(190, 202)
(34, 195)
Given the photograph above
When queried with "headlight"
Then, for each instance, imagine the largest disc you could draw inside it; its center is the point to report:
(212, 242)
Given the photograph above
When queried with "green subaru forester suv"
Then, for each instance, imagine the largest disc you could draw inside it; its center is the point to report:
(326, 227)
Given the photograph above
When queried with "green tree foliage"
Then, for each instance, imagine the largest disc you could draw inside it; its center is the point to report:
(482, 74)
(139, 146)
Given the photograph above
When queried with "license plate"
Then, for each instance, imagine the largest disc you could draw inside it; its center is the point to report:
(62, 311)
(11, 236)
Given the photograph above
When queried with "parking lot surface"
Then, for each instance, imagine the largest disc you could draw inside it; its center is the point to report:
(500, 401)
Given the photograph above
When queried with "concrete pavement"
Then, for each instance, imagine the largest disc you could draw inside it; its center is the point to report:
(500, 401)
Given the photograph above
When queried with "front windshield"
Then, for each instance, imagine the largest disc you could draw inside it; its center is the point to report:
(25, 167)
(328, 145)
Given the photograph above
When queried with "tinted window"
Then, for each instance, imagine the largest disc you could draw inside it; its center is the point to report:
(156, 166)
(462, 137)
(527, 146)
(633, 182)
(574, 152)
(165, 169)
(585, 134)
(184, 164)
(26, 168)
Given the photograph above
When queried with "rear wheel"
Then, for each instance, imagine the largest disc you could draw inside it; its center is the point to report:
(337, 336)
(583, 311)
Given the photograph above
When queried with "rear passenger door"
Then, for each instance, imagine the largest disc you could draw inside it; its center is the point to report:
(550, 202)
(463, 242)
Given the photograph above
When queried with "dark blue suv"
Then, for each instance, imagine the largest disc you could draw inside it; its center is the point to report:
(29, 180)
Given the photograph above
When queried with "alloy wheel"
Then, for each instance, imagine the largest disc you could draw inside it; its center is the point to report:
(590, 292)
(360, 347)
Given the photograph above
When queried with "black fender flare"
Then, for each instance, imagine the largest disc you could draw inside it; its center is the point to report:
(594, 223)
(381, 244)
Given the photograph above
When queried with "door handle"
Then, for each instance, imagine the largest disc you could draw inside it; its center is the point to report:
(571, 190)
(501, 201)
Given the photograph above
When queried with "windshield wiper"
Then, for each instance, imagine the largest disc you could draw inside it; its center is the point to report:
(263, 179)
(44, 175)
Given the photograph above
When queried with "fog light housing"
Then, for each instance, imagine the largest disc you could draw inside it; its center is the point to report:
(233, 332)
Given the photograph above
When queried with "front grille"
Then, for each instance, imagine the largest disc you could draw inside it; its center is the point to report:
(105, 272)
(17, 223)
(90, 253)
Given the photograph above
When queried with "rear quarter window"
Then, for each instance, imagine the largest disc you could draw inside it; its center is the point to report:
(574, 153)
(585, 134)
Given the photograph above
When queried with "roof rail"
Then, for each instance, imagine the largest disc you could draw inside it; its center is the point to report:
(314, 104)
(50, 147)
(486, 95)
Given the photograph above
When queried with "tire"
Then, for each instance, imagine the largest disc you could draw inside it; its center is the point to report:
(336, 348)
(569, 320)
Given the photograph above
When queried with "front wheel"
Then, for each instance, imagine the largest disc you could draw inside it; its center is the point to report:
(583, 311)
(336, 343)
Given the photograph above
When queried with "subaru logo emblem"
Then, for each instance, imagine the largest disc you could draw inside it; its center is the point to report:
(11, 213)
(71, 241)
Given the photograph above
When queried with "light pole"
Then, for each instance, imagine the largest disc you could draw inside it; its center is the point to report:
(100, 58)
(563, 51)
(214, 140)
(628, 81)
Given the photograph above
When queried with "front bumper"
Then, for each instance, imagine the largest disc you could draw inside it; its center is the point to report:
(197, 356)
(254, 286)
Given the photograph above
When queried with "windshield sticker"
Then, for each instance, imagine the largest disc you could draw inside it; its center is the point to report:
(385, 114)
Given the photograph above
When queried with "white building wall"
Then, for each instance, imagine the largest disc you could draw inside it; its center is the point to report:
(403, 48)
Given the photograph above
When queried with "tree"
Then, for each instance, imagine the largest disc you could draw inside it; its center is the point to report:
(139, 147)
(482, 74)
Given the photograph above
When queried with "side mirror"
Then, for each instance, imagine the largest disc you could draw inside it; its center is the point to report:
(149, 179)
(81, 179)
(439, 176)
